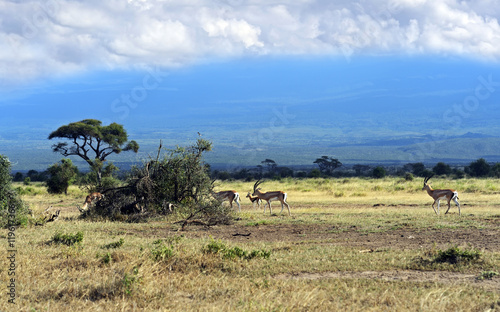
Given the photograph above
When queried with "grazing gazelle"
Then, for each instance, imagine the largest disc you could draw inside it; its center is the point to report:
(270, 196)
(230, 196)
(89, 199)
(437, 195)
(254, 200)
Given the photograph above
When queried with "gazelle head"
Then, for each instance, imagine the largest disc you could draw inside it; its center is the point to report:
(427, 185)
(255, 189)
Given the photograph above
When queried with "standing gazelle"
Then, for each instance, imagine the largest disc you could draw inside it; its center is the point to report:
(437, 195)
(270, 196)
(230, 196)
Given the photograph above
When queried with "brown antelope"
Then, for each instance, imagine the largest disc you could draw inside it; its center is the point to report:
(89, 199)
(437, 195)
(254, 200)
(270, 196)
(230, 196)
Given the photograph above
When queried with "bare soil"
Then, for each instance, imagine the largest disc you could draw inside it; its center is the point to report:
(405, 238)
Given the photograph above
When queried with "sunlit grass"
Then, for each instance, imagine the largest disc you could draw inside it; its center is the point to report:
(156, 268)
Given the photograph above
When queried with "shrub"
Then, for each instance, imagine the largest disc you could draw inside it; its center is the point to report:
(61, 176)
(478, 168)
(487, 275)
(441, 168)
(68, 239)
(13, 212)
(379, 172)
(116, 244)
(180, 179)
(217, 247)
(454, 255)
(409, 176)
(161, 252)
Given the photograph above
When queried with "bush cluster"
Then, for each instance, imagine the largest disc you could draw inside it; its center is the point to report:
(217, 247)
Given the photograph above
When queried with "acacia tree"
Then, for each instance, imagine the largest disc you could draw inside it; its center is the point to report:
(92, 142)
(327, 164)
(271, 165)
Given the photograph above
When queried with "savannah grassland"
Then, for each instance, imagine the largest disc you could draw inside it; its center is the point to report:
(350, 245)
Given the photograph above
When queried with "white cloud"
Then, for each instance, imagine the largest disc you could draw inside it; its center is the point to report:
(44, 38)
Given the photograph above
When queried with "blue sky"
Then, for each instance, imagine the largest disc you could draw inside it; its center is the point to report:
(183, 65)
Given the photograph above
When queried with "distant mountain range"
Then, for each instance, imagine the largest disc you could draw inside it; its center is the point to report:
(232, 149)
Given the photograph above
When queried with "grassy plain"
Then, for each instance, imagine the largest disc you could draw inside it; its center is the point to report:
(351, 244)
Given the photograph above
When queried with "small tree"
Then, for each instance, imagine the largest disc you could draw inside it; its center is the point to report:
(379, 172)
(271, 166)
(315, 173)
(495, 170)
(478, 168)
(442, 168)
(327, 164)
(417, 169)
(93, 142)
(61, 176)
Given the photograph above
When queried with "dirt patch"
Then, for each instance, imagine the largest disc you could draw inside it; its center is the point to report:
(402, 239)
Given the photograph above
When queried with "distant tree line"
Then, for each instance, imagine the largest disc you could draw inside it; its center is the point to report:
(329, 167)
(60, 175)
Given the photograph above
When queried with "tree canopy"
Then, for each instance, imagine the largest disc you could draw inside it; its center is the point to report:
(327, 164)
(92, 141)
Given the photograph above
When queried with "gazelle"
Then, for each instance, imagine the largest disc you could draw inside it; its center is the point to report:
(270, 196)
(254, 200)
(89, 199)
(230, 196)
(437, 195)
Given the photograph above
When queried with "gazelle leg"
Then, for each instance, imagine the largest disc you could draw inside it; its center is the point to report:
(449, 205)
(435, 208)
(270, 209)
(438, 201)
(288, 207)
(458, 205)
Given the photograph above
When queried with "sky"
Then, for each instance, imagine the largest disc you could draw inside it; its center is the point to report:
(159, 65)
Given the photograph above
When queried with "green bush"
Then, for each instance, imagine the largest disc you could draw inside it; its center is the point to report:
(61, 176)
(487, 275)
(68, 239)
(454, 255)
(409, 176)
(217, 247)
(116, 244)
(379, 172)
(13, 212)
(161, 252)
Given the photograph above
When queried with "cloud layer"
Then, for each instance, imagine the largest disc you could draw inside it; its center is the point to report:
(48, 38)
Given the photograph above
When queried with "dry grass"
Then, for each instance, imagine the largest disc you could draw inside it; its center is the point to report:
(94, 276)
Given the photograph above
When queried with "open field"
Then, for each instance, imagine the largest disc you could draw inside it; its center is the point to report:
(350, 244)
